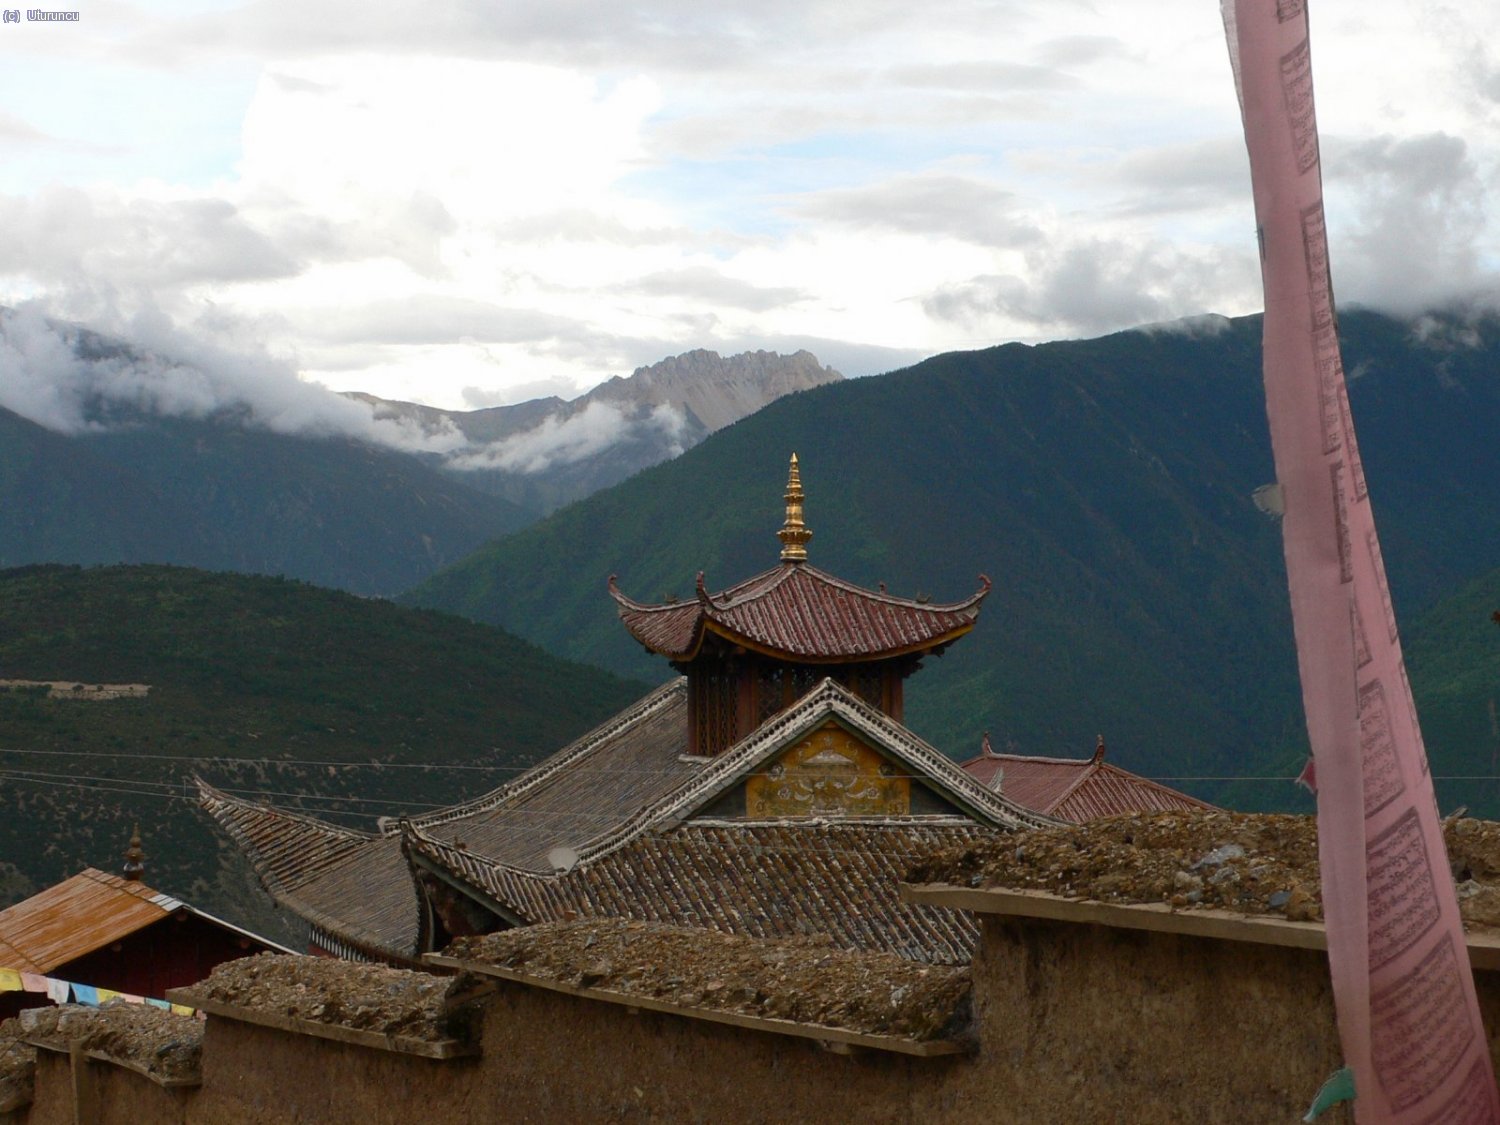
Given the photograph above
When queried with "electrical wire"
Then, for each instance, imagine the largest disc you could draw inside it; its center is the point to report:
(222, 761)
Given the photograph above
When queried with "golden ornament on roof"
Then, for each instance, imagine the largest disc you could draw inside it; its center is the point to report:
(794, 534)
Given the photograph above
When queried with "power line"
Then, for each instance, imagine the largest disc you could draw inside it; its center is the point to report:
(168, 789)
(220, 760)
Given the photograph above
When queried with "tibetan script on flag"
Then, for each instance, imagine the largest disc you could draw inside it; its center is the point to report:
(1408, 1018)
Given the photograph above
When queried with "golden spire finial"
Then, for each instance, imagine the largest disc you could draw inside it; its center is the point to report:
(794, 533)
(135, 859)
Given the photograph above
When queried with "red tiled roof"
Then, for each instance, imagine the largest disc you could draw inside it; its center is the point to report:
(798, 612)
(757, 879)
(1075, 789)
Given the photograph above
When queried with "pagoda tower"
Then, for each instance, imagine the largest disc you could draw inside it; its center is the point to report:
(754, 649)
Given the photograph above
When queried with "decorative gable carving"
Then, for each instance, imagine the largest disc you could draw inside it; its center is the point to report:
(828, 773)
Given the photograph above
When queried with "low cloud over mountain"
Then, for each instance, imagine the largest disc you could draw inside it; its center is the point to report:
(74, 381)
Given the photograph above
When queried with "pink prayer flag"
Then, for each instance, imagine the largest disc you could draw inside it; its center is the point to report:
(1407, 1013)
(33, 982)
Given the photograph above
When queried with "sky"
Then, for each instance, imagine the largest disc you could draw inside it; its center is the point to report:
(472, 204)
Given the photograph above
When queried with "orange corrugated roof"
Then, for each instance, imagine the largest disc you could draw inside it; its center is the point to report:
(75, 917)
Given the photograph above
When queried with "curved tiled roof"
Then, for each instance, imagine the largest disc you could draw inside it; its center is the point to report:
(1073, 789)
(354, 885)
(617, 798)
(357, 886)
(582, 793)
(797, 612)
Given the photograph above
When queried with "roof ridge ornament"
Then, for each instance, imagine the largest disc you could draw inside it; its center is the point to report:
(794, 534)
(700, 589)
(135, 858)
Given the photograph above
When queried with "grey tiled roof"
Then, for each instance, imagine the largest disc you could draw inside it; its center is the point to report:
(355, 885)
(622, 799)
(581, 793)
(780, 879)
(358, 887)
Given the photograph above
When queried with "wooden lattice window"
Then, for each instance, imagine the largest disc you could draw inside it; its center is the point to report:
(769, 690)
(715, 711)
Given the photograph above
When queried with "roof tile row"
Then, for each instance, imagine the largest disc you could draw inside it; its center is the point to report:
(781, 879)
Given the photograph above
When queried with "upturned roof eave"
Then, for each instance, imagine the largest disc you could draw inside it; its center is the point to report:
(709, 610)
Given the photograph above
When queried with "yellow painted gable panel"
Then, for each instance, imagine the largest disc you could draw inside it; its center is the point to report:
(829, 773)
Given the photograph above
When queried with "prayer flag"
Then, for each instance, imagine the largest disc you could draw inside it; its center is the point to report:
(1407, 1013)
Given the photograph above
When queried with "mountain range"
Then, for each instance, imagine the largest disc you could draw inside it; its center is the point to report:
(548, 452)
(1105, 486)
(150, 459)
(222, 496)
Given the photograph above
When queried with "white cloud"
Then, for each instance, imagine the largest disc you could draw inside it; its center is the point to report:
(1088, 286)
(76, 385)
(1412, 219)
(449, 203)
(563, 441)
(68, 236)
(75, 382)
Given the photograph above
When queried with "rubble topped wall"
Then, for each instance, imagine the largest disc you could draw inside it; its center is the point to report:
(1097, 1013)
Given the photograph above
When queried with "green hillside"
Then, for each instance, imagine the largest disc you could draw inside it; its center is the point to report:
(1452, 652)
(1453, 655)
(215, 495)
(1104, 485)
(309, 696)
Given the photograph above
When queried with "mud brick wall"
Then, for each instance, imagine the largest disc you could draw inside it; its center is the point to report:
(1075, 1022)
(1095, 1023)
(115, 1096)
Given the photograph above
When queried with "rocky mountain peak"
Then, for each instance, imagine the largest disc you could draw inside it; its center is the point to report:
(718, 390)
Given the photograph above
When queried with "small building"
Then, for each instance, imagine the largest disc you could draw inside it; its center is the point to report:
(104, 931)
(1076, 790)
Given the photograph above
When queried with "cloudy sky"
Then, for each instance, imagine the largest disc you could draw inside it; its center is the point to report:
(475, 203)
